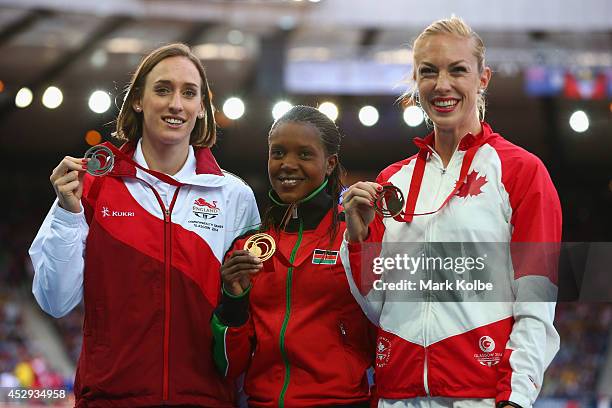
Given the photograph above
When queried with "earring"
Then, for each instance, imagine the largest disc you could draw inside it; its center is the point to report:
(481, 91)
(201, 115)
(138, 109)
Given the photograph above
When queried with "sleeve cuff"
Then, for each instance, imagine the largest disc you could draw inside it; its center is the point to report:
(233, 311)
(240, 296)
(354, 247)
(501, 404)
(518, 401)
(66, 217)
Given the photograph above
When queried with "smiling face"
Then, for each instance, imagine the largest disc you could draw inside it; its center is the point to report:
(171, 101)
(297, 161)
(448, 81)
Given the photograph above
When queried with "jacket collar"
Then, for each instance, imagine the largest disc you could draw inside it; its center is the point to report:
(206, 163)
(311, 211)
(204, 159)
(465, 143)
(207, 171)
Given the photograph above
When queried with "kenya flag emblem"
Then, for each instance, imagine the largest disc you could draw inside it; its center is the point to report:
(324, 257)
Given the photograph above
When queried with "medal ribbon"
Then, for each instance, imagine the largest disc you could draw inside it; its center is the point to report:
(417, 180)
(121, 170)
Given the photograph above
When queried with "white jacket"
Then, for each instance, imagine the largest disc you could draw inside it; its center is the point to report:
(480, 348)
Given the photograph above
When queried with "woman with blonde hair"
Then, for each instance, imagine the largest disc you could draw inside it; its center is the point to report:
(466, 185)
(142, 245)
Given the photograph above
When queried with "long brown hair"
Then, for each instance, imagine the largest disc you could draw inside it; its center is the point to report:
(129, 122)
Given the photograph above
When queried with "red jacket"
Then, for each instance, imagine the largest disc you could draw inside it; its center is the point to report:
(151, 284)
(305, 342)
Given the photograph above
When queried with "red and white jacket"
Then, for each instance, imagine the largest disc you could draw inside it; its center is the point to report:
(467, 350)
(144, 256)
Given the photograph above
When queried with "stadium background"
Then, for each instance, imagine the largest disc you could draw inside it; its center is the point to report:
(550, 58)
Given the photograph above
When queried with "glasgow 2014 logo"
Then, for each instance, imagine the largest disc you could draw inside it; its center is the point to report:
(205, 209)
(488, 357)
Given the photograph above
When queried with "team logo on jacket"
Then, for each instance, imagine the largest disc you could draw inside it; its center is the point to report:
(324, 257)
(111, 213)
(205, 209)
(486, 344)
(472, 185)
(488, 357)
(383, 351)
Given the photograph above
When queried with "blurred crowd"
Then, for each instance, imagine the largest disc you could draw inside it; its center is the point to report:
(21, 363)
(584, 330)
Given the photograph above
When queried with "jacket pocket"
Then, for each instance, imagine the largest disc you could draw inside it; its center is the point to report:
(98, 328)
(353, 367)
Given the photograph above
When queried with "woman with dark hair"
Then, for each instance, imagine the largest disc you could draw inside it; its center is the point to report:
(142, 245)
(291, 321)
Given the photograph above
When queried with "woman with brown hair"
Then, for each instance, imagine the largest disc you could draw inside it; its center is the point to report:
(142, 245)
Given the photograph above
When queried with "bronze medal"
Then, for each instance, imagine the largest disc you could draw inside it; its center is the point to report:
(390, 202)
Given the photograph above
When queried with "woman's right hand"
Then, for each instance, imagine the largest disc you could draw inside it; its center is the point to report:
(67, 181)
(237, 270)
(358, 202)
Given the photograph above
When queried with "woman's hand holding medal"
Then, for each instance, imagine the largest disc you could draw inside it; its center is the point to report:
(359, 202)
(363, 200)
(237, 270)
(67, 181)
(67, 177)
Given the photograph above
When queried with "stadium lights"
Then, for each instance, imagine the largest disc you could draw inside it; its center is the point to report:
(23, 98)
(413, 116)
(233, 108)
(368, 116)
(99, 101)
(330, 110)
(280, 108)
(579, 121)
(52, 97)
(93, 137)
(235, 37)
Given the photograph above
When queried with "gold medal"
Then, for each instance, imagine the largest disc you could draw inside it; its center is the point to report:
(390, 202)
(101, 160)
(261, 245)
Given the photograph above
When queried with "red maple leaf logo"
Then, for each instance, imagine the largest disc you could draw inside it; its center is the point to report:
(472, 185)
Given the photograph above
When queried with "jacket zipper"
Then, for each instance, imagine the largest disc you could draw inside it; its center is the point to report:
(343, 331)
(167, 242)
(167, 266)
(283, 350)
(429, 235)
(427, 311)
(167, 213)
